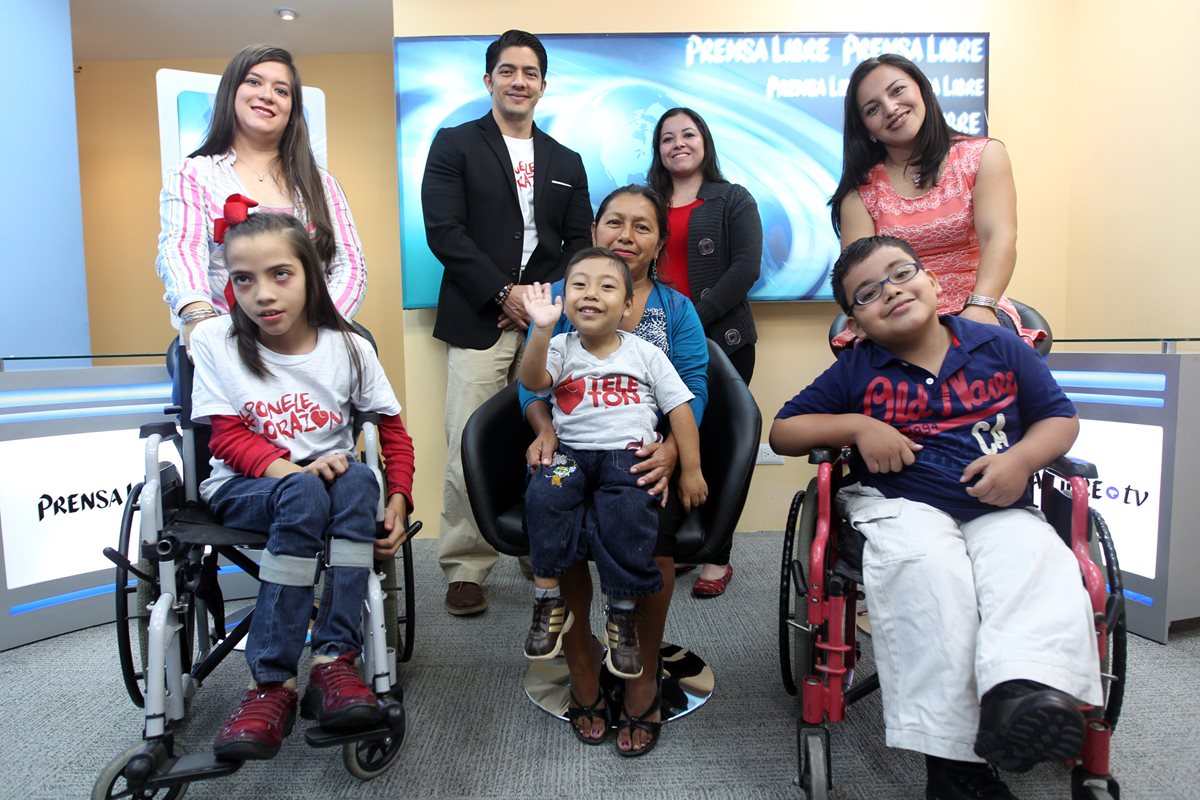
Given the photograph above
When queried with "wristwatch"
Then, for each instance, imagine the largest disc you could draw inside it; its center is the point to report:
(983, 300)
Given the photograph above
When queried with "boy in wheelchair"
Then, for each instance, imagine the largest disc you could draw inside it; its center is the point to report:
(982, 630)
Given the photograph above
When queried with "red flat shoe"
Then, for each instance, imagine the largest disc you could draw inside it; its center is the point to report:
(715, 587)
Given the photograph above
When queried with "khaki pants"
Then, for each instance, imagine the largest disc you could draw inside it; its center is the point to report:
(473, 376)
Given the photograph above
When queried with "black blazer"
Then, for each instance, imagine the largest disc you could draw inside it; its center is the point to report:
(474, 226)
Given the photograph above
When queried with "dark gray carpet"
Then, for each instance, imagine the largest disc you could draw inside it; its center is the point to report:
(471, 733)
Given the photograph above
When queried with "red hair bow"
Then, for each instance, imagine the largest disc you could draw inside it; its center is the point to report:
(237, 208)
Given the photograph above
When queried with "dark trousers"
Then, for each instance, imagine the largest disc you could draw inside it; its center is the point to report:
(588, 502)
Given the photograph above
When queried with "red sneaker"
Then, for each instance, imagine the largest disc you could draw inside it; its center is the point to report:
(337, 696)
(256, 728)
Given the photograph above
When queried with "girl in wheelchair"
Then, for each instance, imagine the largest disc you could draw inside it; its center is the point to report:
(982, 630)
(276, 379)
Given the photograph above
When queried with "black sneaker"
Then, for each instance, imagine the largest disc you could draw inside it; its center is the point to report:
(963, 780)
(1022, 723)
(551, 619)
(624, 658)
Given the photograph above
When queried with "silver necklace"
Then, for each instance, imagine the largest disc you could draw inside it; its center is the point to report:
(255, 173)
(914, 179)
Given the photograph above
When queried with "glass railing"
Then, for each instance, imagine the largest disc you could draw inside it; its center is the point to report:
(1164, 344)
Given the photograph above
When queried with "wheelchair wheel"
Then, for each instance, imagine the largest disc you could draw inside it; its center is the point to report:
(1115, 661)
(1085, 786)
(815, 779)
(400, 624)
(111, 784)
(370, 758)
(801, 636)
(135, 623)
(786, 617)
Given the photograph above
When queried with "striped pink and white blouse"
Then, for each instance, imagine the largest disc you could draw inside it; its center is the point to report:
(192, 266)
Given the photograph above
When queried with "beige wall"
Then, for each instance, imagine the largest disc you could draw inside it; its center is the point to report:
(120, 174)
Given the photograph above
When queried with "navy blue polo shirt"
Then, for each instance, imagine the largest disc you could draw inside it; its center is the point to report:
(991, 387)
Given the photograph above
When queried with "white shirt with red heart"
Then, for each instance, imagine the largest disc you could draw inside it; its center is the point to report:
(614, 403)
(303, 405)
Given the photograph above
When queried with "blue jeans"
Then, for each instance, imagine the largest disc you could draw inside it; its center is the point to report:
(587, 501)
(299, 511)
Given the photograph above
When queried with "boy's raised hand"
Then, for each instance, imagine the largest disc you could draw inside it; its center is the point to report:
(1002, 479)
(542, 310)
(883, 448)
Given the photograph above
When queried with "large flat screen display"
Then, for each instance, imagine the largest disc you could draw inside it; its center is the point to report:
(773, 102)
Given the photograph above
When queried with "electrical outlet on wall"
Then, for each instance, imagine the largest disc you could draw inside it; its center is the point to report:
(768, 456)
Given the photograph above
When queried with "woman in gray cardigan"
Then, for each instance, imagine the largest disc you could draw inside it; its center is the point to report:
(712, 256)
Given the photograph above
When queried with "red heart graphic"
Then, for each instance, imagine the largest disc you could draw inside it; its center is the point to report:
(319, 417)
(569, 393)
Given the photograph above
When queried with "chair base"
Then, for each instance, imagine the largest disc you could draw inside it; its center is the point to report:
(687, 683)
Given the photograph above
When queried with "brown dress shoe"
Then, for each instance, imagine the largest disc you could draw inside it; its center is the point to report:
(464, 599)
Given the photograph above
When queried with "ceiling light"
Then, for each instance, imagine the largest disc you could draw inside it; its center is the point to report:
(286, 14)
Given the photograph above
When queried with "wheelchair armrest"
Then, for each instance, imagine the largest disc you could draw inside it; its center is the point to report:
(166, 430)
(1069, 467)
(362, 418)
(824, 455)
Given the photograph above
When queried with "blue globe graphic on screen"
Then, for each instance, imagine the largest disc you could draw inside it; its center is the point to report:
(612, 135)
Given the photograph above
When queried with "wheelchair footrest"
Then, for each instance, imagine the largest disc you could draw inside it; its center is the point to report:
(393, 724)
(317, 736)
(192, 767)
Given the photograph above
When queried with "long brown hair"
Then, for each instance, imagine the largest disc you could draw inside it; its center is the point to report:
(860, 154)
(319, 309)
(295, 159)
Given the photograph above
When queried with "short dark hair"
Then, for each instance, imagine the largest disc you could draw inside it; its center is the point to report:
(855, 253)
(601, 252)
(514, 38)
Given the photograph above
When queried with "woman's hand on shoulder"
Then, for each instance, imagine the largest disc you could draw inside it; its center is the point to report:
(980, 314)
(657, 466)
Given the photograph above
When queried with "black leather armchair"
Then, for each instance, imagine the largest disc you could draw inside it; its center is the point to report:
(496, 437)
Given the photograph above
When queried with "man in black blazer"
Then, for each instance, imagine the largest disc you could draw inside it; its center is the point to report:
(505, 205)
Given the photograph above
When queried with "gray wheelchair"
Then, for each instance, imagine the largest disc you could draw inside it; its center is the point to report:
(173, 628)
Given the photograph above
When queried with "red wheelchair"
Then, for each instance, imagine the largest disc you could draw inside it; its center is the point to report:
(820, 576)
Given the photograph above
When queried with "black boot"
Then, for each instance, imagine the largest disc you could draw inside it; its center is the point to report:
(1022, 723)
(963, 780)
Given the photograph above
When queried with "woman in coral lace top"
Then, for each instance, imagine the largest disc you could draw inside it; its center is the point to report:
(906, 173)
